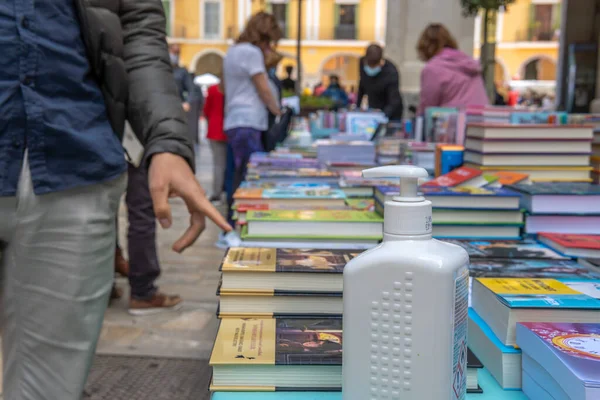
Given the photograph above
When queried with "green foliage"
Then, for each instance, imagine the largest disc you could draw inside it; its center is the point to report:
(315, 102)
(310, 101)
(472, 7)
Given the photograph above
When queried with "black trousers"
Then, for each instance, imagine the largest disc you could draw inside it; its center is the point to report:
(144, 267)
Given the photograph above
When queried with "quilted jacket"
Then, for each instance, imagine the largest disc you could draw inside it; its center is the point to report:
(126, 45)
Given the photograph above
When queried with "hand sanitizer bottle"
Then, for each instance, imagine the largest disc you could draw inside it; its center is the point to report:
(406, 306)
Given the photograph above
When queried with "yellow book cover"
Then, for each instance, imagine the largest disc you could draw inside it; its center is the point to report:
(244, 259)
(508, 286)
(545, 293)
(283, 341)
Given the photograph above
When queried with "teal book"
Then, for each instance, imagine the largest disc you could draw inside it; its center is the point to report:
(491, 391)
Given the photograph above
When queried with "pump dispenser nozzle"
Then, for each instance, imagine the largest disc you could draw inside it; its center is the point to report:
(409, 213)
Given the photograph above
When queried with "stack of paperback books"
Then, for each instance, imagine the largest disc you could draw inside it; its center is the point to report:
(560, 360)
(544, 152)
(560, 207)
(462, 208)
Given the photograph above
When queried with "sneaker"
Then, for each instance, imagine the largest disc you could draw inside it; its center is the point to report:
(158, 303)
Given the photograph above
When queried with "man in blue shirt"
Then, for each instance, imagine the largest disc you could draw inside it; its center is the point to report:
(70, 74)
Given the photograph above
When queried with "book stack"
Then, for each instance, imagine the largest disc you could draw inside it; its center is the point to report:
(281, 327)
(463, 209)
(499, 304)
(560, 207)
(560, 360)
(388, 151)
(544, 152)
(316, 228)
(331, 151)
(283, 282)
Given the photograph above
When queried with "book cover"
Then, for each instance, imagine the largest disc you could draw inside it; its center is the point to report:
(290, 193)
(244, 259)
(558, 188)
(572, 340)
(349, 241)
(278, 342)
(573, 241)
(467, 192)
(562, 348)
(361, 204)
(287, 185)
(509, 249)
(515, 268)
(454, 178)
(447, 158)
(509, 177)
(544, 293)
(314, 216)
(299, 173)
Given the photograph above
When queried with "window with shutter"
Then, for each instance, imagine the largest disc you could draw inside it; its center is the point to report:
(212, 19)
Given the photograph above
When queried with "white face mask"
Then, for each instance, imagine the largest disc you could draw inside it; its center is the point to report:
(174, 59)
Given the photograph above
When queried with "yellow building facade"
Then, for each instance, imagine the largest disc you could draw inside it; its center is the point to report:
(335, 33)
(527, 41)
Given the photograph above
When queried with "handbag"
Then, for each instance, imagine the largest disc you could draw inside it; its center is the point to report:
(278, 131)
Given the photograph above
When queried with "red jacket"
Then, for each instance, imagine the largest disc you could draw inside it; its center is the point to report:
(213, 111)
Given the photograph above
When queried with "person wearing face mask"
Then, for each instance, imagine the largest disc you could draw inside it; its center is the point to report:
(380, 82)
(335, 92)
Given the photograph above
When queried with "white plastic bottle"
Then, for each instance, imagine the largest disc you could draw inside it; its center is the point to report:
(406, 306)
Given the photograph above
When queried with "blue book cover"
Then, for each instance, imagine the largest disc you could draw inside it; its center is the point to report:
(473, 316)
(288, 185)
(428, 191)
(537, 117)
(298, 193)
(557, 189)
(544, 292)
(568, 352)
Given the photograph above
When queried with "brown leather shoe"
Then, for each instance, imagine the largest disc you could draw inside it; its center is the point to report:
(121, 264)
(158, 303)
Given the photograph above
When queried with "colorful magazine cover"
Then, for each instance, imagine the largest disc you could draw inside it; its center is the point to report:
(240, 259)
(572, 339)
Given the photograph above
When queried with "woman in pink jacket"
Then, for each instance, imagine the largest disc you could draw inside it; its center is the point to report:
(450, 78)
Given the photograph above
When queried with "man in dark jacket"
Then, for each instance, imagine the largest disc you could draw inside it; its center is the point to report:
(70, 75)
(191, 95)
(380, 82)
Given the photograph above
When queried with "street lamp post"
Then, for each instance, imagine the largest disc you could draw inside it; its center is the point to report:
(298, 50)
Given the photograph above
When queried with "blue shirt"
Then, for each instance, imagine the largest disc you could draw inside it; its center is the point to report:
(50, 103)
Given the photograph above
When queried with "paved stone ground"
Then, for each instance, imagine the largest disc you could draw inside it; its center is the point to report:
(189, 332)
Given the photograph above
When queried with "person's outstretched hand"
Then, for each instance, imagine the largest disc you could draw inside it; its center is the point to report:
(171, 176)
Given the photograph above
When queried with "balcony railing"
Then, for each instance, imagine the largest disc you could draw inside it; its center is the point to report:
(345, 32)
(537, 35)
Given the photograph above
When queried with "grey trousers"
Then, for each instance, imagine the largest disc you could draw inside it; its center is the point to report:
(219, 154)
(56, 273)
